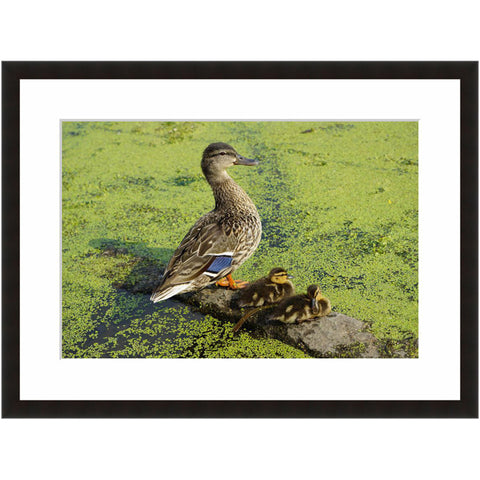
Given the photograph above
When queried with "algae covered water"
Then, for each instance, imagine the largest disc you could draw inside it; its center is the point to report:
(339, 207)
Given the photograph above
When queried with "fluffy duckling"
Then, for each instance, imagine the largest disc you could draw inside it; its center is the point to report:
(267, 290)
(264, 293)
(299, 308)
(222, 239)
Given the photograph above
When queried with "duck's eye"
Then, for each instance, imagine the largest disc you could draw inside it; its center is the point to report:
(223, 153)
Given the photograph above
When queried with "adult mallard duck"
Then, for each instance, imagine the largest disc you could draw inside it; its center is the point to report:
(267, 290)
(222, 239)
(299, 308)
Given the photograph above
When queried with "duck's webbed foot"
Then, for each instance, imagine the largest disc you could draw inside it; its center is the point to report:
(229, 282)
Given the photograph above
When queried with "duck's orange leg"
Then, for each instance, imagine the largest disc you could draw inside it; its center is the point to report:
(229, 282)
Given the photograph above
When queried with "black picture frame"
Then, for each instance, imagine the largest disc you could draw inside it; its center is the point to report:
(14, 407)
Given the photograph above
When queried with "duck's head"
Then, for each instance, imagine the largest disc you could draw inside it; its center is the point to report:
(279, 275)
(219, 156)
(315, 295)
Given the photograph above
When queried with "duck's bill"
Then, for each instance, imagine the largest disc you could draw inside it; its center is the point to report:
(245, 161)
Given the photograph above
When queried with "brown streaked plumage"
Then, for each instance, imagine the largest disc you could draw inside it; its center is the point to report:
(222, 239)
(299, 308)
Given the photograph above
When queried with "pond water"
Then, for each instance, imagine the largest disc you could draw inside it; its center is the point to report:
(339, 207)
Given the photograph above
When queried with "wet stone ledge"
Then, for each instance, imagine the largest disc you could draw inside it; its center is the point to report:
(336, 335)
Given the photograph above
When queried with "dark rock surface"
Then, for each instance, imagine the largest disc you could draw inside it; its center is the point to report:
(336, 335)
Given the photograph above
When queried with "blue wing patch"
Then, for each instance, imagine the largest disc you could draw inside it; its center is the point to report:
(219, 263)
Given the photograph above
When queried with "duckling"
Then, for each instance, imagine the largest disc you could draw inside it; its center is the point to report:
(264, 293)
(299, 308)
(221, 240)
(267, 290)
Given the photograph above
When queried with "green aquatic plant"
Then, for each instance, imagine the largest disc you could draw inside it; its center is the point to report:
(339, 207)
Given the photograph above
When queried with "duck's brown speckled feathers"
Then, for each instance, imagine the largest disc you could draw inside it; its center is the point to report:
(267, 290)
(222, 239)
(299, 308)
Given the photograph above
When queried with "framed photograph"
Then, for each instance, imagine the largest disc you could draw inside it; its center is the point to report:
(148, 273)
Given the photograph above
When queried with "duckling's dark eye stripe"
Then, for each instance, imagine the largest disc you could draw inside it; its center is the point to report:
(219, 263)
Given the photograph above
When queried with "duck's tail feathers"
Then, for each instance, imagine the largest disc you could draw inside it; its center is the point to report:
(159, 295)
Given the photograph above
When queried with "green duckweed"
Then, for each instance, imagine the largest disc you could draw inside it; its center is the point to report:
(339, 207)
